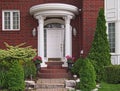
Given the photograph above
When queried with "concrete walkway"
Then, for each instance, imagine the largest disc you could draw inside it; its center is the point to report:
(51, 85)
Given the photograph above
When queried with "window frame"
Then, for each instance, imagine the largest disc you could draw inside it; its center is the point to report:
(112, 52)
(11, 20)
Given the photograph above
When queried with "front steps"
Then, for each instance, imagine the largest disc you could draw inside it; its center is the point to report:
(51, 84)
(54, 70)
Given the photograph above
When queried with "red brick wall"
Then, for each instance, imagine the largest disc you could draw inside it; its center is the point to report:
(89, 17)
(84, 23)
(28, 23)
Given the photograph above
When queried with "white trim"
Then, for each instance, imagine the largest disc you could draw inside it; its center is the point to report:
(53, 6)
(54, 21)
(11, 20)
(54, 13)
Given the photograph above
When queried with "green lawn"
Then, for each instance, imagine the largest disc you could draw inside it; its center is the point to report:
(109, 87)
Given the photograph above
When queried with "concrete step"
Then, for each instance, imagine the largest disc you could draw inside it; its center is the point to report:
(50, 85)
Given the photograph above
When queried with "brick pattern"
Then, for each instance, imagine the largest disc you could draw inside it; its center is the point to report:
(27, 22)
(54, 70)
(89, 17)
(84, 23)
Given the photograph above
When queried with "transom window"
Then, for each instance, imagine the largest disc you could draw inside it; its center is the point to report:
(111, 35)
(11, 20)
(54, 25)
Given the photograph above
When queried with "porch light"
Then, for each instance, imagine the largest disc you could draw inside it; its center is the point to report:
(34, 32)
(74, 31)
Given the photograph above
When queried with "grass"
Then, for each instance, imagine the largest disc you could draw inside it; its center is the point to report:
(109, 87)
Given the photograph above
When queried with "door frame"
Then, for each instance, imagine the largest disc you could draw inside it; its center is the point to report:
(62, 39)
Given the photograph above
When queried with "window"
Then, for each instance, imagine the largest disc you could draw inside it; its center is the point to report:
(11, 20)
(54, 25)
(111, 36)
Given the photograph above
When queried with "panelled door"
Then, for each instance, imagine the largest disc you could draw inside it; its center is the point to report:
(55, 38)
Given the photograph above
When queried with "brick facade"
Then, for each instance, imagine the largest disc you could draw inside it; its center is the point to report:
(84, 23)
(89, 18)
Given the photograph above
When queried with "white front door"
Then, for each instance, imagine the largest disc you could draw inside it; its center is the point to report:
(55, 39)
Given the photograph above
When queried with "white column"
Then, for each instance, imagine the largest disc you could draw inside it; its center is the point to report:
(68, 39)
(41, 39)
(68, 36)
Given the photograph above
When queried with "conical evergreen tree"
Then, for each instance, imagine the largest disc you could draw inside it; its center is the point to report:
(100, 50)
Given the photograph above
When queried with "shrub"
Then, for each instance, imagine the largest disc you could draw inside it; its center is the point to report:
(112, 74)
(29, 69)
(77, 66)
(4, 67)
(87, 76)
(100, 50)
(11, 70)
(15, 77)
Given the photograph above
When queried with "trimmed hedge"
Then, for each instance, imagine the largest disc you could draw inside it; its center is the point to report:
(87, 76)
(86, 72)
(112, 74)
(15, 77)
(77, 66)
(100, 51)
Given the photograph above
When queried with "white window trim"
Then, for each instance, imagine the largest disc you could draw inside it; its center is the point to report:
(112, 53)
(11, 18)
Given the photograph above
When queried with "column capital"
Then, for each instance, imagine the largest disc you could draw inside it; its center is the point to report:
(40, 17)
(68, 19)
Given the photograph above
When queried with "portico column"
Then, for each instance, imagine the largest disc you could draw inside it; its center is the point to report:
(41, 39)
(68, 36)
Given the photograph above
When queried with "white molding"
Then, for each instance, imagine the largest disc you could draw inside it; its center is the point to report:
(53, 21)
(53, 6)
(54, 9)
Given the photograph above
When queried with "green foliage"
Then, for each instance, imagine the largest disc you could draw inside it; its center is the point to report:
(3, 78)
(109, 87)
(77, 66)
(11, 69)
(100, 50)
(15, 77)
(112, 74)
(87, 76)
(17, 52)
(4, 67)
(29, 69)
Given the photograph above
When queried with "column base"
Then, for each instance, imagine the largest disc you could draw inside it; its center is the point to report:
(65, 64)
(43, 64)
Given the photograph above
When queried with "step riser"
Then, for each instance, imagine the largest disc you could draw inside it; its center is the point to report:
(53, 76)
(54, 67)
(54, 63)
(51, 86)
(54, 70)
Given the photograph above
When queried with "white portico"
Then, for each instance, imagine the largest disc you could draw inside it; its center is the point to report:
(54, 30)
